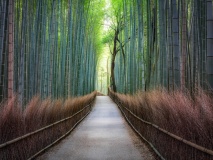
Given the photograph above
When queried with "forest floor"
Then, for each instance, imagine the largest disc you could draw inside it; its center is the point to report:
(104, 134)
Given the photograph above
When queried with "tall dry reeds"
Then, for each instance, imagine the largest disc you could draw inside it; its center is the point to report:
(178, 113)
(10, 127)
(37, 114)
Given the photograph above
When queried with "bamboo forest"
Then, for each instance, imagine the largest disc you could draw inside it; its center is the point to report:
(145, 66)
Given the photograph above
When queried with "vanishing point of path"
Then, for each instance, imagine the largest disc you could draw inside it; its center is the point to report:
(104, 134)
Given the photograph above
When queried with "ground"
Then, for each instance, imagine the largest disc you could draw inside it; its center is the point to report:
(103, 135)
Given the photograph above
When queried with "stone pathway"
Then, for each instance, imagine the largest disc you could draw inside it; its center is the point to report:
(103, 135)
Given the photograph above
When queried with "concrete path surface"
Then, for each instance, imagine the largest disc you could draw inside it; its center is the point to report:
(103, 135)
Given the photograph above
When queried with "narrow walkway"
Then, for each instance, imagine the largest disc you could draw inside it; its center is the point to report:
(104, 134)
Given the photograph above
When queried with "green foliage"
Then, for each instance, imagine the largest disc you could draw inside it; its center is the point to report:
(57, 44)
(107, 38)
(165, 44)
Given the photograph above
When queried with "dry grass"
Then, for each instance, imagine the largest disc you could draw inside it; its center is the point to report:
(38, 113)
(178, 113)
(100, 94)
(10, 125)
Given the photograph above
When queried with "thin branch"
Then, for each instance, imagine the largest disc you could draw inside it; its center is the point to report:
(122, 45)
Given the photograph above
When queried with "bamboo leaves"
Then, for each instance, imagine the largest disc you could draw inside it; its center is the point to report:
(53, 41)
(174, 45)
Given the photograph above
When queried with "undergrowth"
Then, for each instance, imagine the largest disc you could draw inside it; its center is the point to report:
(37, 114)
(177, 112)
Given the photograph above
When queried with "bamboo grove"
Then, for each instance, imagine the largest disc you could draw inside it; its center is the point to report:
(161, 43)
(56, 44)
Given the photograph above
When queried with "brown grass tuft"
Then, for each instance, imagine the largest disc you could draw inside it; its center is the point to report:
(178, 113)
(11, 120)
(37, 114)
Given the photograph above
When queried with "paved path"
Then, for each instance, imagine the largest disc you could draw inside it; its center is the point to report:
(104, 134)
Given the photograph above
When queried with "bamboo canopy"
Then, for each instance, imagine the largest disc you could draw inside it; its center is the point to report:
(162, 43)
(48, 48)
(51, 48)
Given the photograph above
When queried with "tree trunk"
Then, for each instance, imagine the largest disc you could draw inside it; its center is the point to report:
(175, 38)
(183, 55)
(112, 73)
(113, 61)
(209, 68)
(11, 49)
